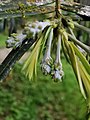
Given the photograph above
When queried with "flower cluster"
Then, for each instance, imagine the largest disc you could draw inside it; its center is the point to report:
(33, 29)
(15, 40)
(30, 31)
(58, 72)
(47, 62)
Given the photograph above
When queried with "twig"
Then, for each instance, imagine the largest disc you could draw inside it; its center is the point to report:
(85, 47)
(81, 10)
(82, 27)
(57, 8)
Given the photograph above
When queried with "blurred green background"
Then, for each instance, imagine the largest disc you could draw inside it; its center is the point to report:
(43, 99)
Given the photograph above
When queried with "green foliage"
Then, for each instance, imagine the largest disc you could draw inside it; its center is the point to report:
(31, 63)
(3, 37)
(44, 99)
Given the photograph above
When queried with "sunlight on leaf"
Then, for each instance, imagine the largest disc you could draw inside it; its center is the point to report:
(31, 62)
(82, 58)
(30, 65)
(85, 78)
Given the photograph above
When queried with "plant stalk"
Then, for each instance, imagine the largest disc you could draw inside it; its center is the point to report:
(58, 11)
(48, 49)
(85, 47)
(58, 60)
(82, 27)
(71, 31)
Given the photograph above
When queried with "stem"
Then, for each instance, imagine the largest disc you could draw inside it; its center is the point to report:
(85, 47)
(71, 31)
(82, 27)
(57, 4)
(29, 11)
(78, 9)
(58, 8)
(58, 60)
(48, 46)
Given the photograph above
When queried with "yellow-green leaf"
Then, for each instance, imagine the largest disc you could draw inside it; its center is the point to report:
(31, 62)
(82, 58)
(85, 78)
(74, 62)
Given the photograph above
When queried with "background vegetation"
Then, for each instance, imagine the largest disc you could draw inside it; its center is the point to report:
(3, 38)
(44, 99)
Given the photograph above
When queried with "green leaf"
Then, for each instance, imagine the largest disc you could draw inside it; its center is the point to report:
(31, 63)
(85, 78)
(45, 36)
(74, 62)
(82, 58)
(65, 51)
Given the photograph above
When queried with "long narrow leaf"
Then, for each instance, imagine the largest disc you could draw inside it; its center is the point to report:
(85, 78)
(65, 51)
(45, 36)
(82, 58)
(76, 69)
(31, 63)
(73, 60)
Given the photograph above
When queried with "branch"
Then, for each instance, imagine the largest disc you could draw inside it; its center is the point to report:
(57, 9)
(27, 11)
(79, 9)
(85, 47)
(12, 10)
(81, 27)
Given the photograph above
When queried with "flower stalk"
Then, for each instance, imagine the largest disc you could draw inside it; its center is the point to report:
(58, 72)
(81, 49)
(85, 47)
(47, 60)
(58, 60)
(58, 11)
(81, 27)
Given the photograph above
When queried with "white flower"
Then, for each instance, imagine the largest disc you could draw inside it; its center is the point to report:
(47, 60)
(45, 68)
(15, 41)
(33, 29)
(58, 73)
(10, 43)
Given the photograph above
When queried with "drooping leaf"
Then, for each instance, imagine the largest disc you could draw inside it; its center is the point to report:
(30, 65)
(73, 60)
(46, 33)
(31, 62)
(65, 51)
(82, 58)
(85, 78)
